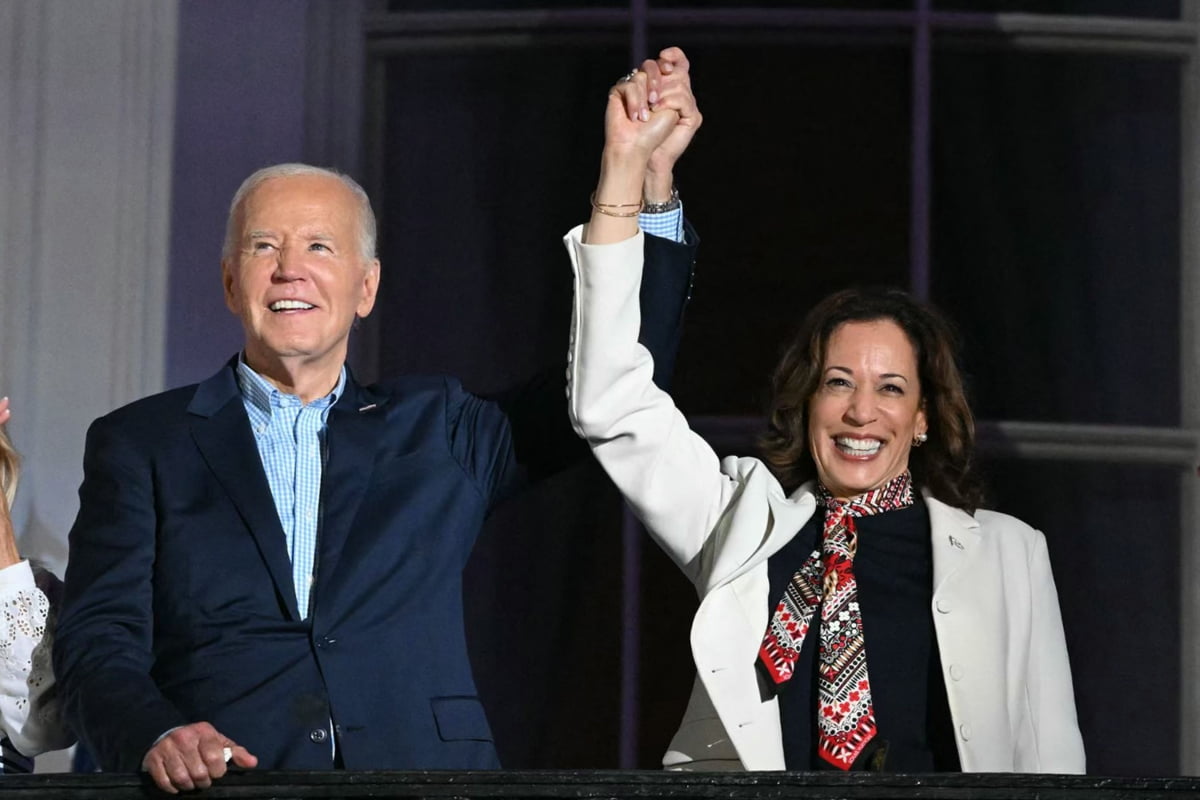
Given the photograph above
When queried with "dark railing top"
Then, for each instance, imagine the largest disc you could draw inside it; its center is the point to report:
(614, 784)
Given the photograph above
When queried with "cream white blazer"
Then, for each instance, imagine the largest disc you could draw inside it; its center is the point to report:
(994, 606)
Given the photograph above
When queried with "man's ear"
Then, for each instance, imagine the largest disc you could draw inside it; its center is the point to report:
(370, 289)
(227, 285)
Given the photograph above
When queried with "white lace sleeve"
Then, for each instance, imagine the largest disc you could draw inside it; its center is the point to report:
(28, 705)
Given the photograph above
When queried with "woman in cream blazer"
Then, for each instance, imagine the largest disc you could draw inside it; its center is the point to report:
(993, 604)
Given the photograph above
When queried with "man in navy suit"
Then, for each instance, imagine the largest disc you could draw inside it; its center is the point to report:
(267, 566)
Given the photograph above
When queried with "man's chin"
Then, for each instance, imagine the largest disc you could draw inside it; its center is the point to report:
(298, 351)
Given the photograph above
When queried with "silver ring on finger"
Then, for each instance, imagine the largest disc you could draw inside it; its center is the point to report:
(628, 76)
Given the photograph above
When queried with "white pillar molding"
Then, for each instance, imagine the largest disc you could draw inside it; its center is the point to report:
(86, 125)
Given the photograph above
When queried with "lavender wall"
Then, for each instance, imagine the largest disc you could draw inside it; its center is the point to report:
(240, 106)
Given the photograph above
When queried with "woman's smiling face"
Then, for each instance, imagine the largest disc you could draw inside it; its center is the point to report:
(867, 408)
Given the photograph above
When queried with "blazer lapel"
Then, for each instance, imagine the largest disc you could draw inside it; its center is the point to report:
(734, 611)
(222, 432)
(354, 433)
(955, 540)
(758, 530)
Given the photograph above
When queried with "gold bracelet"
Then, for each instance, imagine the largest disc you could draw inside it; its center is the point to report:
(603, 208)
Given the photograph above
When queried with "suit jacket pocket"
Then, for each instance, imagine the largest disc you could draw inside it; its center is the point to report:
(460, 718)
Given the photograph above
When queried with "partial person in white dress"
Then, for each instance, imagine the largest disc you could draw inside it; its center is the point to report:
(30, 722)
(945, 648)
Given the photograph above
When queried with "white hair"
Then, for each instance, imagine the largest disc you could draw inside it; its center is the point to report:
(366, 217)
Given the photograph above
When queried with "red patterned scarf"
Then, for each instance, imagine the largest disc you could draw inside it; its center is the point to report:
(846, 715)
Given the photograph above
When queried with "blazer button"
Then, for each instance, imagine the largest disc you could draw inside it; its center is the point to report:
(318, 735)
(956, 672)
(942, 606)
(964, 731)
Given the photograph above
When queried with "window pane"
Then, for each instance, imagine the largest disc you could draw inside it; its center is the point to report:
(1151, 9)
(489, 158)
(828, 5)
(798, 185)
(498, 5)
(1056, 229)
(1113, 533)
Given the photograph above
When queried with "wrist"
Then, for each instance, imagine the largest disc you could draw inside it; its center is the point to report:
(655, 207)
(619, 184)
(658, 187)
(624, 159)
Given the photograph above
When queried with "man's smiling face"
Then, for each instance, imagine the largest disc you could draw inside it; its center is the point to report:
(298, 278)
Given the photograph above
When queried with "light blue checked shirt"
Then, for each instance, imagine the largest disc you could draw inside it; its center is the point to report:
(291, 442)
(665, 224)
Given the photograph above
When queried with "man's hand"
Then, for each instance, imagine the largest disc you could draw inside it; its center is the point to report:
(192, 756)
(669, 85)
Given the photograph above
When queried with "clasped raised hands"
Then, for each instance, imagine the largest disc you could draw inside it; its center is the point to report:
(652, 113)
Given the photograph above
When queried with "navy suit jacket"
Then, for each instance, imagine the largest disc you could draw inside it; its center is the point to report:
(179, 605)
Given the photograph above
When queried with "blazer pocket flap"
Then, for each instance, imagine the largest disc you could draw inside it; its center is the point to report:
(460, 718)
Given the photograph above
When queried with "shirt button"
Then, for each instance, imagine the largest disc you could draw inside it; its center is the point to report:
(956, 672)
(319, 735)
(964, 731)
(942, 607)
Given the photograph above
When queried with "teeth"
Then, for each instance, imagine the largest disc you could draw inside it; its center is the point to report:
(290, 305)
(862, 447)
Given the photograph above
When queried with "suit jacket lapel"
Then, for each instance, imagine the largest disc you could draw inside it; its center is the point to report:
(354, 433)
(222, 432)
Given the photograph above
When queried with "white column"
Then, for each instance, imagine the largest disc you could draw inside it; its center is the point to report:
(86, 124)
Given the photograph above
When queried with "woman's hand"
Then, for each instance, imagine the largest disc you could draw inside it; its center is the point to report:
(633, 130)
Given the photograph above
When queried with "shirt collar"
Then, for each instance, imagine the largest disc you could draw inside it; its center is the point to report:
(264, 395)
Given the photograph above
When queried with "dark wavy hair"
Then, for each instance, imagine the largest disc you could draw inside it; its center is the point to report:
(945, 463)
